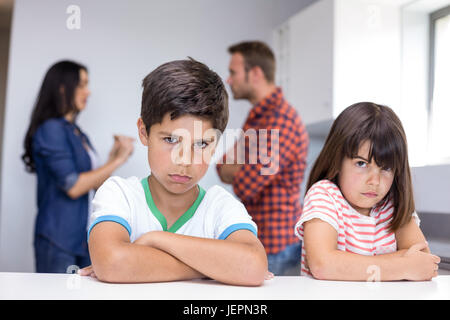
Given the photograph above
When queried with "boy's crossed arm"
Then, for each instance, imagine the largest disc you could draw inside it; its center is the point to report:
(162, 256)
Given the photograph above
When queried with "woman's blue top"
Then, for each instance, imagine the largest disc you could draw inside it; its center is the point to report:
(60, 157)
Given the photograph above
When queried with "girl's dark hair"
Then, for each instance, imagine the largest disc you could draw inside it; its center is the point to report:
(380, 126)
(184, 87)
(55, 100)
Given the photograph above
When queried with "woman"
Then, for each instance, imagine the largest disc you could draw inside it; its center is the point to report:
(66, 166)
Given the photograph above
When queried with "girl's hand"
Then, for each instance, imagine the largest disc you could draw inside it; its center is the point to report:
(421, 266)
(269, 275)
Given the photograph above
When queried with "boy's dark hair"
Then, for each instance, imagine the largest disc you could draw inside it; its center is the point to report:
(256, 53)
(378, 124)
(184, 87)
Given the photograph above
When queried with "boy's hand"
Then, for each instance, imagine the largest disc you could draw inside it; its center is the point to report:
(87, 271)
(144, 239)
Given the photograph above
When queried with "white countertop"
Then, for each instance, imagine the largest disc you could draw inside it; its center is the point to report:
(72, 286)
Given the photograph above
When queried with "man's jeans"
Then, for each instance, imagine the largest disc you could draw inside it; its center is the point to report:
(286, 262)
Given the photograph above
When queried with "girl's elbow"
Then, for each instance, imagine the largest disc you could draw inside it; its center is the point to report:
(317, 273)
(319, 270)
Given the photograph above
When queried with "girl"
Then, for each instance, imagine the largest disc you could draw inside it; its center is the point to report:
(359, 220)
(66, 166)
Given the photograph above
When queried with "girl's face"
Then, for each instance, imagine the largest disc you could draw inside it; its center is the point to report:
(364, 184)
(82, 91)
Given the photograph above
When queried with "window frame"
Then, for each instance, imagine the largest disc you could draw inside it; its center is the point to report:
(433, 17)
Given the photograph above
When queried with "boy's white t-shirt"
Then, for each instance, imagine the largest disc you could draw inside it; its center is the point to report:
(215, 214)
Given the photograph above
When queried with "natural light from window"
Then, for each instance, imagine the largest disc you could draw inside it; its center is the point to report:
(439, 139)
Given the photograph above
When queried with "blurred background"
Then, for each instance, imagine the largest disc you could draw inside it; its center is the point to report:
(330, 54)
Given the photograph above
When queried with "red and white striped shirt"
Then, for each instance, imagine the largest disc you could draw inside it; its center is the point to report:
(357, 233)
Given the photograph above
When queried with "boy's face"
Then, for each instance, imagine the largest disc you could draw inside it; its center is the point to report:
(179, 150)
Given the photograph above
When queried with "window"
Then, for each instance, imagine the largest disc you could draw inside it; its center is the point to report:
(439, 104)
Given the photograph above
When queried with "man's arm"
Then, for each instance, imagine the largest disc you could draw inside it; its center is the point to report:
(326, 262)
(240, 259)
(281, 148)
(115, 259)
(229, 166)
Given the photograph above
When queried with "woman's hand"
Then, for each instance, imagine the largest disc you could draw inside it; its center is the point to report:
(122, 149)
(421, 265)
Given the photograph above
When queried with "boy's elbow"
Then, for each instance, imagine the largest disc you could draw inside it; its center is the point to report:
(104, 274)
(256, 277)
(256, 271)
(109, 268)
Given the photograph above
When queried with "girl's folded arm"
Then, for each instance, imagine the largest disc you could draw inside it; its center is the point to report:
(410, 234)
(326, 262)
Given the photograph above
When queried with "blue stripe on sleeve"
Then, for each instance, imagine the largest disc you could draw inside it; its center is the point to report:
(235, 227)
(117, 219)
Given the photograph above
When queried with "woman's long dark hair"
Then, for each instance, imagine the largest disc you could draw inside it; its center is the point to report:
(380, 126)
(55, 100)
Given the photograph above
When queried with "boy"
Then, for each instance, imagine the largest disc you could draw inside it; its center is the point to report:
(166, 227)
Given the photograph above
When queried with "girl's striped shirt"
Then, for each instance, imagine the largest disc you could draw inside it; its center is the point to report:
(357, 233)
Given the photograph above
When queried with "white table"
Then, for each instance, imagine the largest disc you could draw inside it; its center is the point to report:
(71, 286)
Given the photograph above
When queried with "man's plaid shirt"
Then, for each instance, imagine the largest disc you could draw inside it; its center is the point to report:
(272, 197)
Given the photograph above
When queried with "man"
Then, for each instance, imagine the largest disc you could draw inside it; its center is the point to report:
(270, 190)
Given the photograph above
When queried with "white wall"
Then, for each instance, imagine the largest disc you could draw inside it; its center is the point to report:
(379, 52)
(415, 80)
(431, 189)
(366, 53)
(310, 86)
(120, 42)
(4, 50)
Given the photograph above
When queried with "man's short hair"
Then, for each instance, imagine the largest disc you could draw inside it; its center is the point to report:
(256, 53)
(184, 87)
